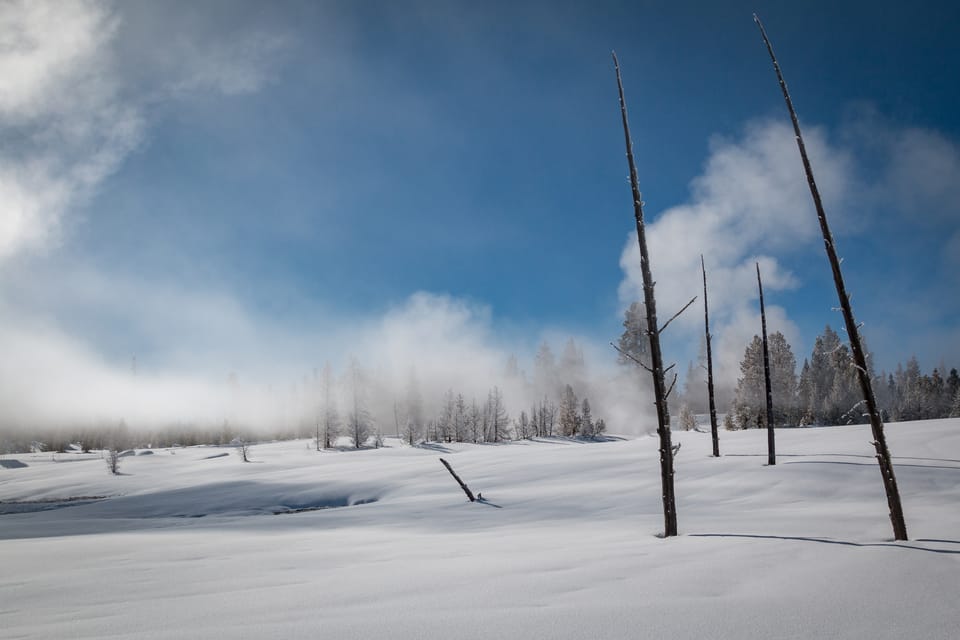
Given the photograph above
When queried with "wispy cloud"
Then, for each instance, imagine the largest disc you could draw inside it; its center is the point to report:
(66, 126)
(68, 111)
(751, 204)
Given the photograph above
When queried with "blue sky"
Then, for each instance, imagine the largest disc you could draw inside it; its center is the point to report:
(210, 185)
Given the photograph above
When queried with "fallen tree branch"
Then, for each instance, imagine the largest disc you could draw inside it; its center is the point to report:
(463, 485)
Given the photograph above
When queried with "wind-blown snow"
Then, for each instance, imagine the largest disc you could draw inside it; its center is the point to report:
(186, 544)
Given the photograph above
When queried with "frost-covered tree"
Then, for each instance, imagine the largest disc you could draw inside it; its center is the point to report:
(497, 420)
(460, 421)
(572, 366)
(328, 423)
(543, 415)
(587, 426)
(600, 427)
(445, 422)
(750, 397)
(783, 379)
(569, 417)
(688, 420)
(475, 422)
(545, 373)
(634, 341)
(955, 407)
(113, 461)
(359, 422)
(524, 427)
(728, 422)
(413, 410)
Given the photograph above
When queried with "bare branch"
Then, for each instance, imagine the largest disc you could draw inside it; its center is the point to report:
(670, 390)
(627, 355)
(685, 307)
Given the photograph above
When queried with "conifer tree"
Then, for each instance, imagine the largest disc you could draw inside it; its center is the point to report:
(569, 417)
(587, 429)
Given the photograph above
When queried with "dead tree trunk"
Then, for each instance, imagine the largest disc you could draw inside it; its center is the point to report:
(656, 357)
(463, 486)
(768, 392)
(856, 347)
(714, 434)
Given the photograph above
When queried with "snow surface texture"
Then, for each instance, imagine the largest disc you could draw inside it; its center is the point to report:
(186, 544)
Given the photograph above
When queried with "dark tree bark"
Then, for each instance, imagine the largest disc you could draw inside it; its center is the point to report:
(771, 446)
(856, 347)
(656, 357)
(463, 485)
(714, 433)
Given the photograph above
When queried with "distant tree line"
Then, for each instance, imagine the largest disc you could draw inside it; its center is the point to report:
(357, 407)
(826, 392)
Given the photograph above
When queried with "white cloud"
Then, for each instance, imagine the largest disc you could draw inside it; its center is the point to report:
(239, 64)
(65, 125)
(750, 204)
(71, 114)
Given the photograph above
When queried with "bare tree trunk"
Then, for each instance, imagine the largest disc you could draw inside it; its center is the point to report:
(771, 447)
(859, 358)
(656, 357)
(714, 433)
(463, 485)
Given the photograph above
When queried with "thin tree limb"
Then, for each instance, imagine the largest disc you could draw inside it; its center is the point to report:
(674, 316)
(627, 355)
(670, 390)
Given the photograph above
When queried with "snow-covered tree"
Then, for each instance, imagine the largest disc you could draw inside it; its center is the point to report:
(569, 416)
(413, 410)
(600, 427)
(587, 427)
(359, 422)
(497, 420)
(328, 422)
(751, 394)
(524, 427)
(545, 374)
(688, 420)
(783, 379)
(634, 341)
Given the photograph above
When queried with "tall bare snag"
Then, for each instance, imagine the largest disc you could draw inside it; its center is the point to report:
(853, 331)
(656, 357)
(768, 392)
(714, 434)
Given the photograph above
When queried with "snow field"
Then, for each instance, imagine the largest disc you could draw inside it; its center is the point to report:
(187, 546)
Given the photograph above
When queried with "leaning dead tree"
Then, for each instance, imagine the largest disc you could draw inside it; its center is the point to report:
(462, 484)
(656, 369)
(714, 434)
(853, 330)
(771, 447)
